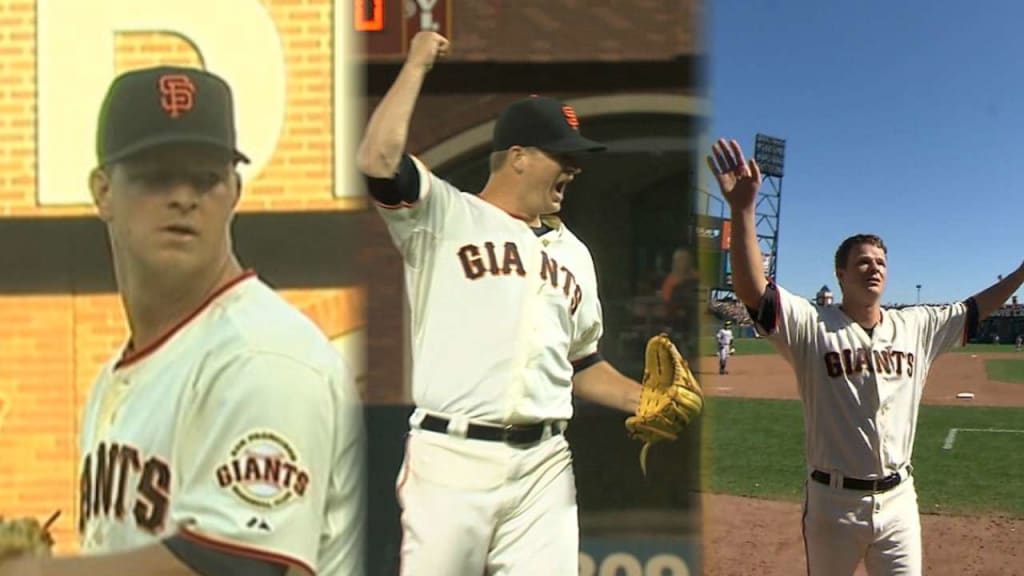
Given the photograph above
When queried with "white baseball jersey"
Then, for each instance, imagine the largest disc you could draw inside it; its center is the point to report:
(498, 313)
(240, 428)
(724, 338)
(861, 392)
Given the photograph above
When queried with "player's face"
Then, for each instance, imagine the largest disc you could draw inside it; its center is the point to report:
(547, 177)
(864, 277)
(170, 209)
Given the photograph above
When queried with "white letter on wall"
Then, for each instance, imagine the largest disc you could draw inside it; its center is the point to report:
(75, 43)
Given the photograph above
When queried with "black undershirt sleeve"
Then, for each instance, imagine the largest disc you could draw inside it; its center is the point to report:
(403, 188)
(972, 321)
(585, 362)
(765, 316)
(208, 561)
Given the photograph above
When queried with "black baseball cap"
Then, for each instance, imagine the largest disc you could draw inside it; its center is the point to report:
(150, 107)
(545, 123)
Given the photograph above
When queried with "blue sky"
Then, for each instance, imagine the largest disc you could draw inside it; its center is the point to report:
(904, 119)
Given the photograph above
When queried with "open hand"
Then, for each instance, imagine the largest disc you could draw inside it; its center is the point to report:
(738, 179)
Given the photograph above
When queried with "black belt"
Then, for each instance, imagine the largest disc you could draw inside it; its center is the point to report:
(512, 434)
(880, 485)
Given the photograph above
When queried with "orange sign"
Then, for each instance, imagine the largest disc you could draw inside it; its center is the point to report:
(369, 15)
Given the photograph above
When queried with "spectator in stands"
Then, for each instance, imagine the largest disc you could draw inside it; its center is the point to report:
(679, 291)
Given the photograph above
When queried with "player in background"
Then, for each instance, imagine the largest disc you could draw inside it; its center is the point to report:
(226, 436)
(724, 339)
(860, 375)
(506, 322)
(678, 291)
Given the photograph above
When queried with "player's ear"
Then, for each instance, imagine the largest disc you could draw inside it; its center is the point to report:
(99, 187)
(517, 159)
(238, 188)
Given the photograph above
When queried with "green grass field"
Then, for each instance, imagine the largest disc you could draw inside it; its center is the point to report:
(756, 448)
(1005, 370)
(986, 348)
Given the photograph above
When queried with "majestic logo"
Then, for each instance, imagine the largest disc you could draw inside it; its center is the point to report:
(570, 117)
(264, 471)
(177, 94)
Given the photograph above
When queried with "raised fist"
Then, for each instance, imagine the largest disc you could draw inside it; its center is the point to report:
(426, 47)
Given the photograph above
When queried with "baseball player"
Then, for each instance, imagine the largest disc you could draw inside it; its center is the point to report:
(860, 373)
(505, 322)
(724, 338)
(226, 437)
(1019, 342)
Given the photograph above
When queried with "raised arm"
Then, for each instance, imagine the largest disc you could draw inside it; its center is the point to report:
(739, 181)
(992, 298)
(383, 143)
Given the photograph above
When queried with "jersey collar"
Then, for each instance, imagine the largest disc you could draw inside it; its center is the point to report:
(551, 221)
(130, 356)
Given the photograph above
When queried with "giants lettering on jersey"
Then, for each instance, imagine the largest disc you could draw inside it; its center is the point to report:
(857, 361)
(108, 472)
(477, 263)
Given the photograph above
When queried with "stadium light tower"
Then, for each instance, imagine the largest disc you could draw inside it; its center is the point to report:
(770, 154)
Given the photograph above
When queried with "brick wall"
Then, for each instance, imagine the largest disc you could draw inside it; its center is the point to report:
(299, 175)
(574, 30)
(52, 346)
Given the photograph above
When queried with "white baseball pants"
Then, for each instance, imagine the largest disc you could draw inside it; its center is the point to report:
(482, 508)
(842, 527)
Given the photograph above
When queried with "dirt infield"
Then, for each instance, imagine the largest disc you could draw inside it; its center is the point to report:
(744, 536)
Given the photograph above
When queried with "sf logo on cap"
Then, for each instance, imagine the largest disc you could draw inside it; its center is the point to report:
(570, 117)
(177, 94)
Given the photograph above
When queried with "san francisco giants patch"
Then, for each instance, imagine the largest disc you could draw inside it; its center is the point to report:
(264, 470)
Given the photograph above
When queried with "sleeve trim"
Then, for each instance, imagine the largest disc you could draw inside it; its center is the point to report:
(401, 205)
(585, 362)
(244, 550)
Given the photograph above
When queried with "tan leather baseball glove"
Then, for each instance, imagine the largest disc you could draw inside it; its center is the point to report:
(671, 397)
(25, 536)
